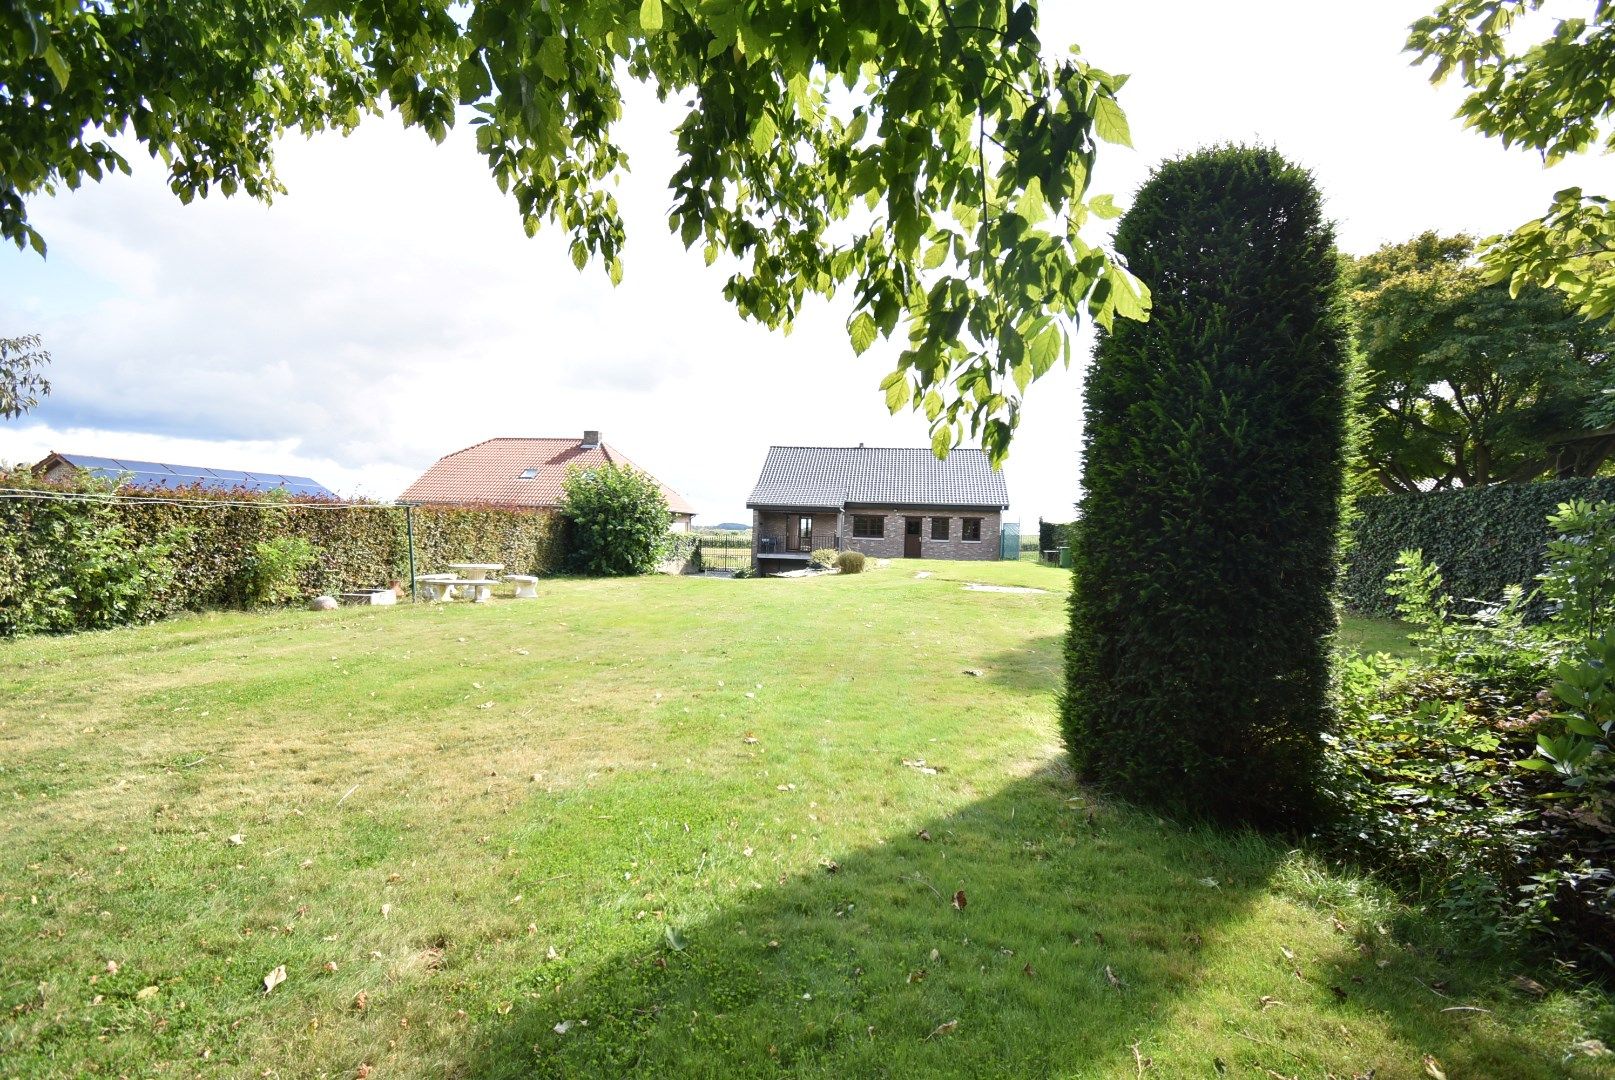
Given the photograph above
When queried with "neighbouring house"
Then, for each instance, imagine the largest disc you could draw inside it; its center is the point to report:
(889, 502)
(527, 473)
(130, 473)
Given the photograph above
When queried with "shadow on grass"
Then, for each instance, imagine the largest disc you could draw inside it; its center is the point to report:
(1079, 926)
(1034, 668)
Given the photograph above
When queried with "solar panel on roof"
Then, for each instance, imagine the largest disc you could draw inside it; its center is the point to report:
(86, 462)
(126, 465)
(154, 474)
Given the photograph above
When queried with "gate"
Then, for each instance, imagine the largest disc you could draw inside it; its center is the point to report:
(1009, 540)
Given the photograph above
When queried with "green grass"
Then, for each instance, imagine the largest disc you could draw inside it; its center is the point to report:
(498, 819)
(1369, 635)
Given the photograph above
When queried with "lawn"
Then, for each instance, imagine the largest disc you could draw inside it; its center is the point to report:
(676, 826)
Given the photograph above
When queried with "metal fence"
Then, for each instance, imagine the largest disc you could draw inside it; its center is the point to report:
(725, 550)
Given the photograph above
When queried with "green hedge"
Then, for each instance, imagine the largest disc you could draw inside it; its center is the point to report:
(1482, 538)
(1052, 535)
(210, 543)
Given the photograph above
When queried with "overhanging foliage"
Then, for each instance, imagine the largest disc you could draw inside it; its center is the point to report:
(924, 153)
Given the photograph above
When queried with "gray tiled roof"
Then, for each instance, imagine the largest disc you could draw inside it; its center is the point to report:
(830, 477)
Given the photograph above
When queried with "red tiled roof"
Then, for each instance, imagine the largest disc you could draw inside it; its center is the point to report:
(490, 472)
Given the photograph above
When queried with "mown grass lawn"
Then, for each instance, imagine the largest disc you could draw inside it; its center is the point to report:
(666, 825)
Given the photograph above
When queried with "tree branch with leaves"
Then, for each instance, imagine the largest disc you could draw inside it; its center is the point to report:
(1547, 91)
(925, 154)
(22, 379)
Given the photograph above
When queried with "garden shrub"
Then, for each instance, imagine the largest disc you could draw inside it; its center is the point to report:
(1482, 772)
(850, 562)
(825, 557)
(69, 565)
(273, 570)
(1484, 539)
(1198, 660)
(616, 519)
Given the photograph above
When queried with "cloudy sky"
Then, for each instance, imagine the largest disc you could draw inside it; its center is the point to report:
(390, 310)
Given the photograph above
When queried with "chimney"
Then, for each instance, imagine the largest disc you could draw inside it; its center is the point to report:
(591, 439)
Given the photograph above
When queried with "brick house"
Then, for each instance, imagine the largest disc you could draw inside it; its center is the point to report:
(527, 473)
(887, 502)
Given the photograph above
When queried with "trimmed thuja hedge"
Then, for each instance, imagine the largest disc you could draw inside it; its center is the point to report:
(1484, 539)
(1197, 666)
(80, 565)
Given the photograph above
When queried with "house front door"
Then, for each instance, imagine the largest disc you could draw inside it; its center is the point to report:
(911, 537)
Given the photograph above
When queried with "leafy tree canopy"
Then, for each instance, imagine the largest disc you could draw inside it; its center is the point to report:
(1464, 385)
(22, 360)
(922, 152)
(1549, 91)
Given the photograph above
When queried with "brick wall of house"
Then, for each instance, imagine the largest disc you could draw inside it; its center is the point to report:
(890, 546)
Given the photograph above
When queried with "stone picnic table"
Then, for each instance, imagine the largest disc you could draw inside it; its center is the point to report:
(477, 579)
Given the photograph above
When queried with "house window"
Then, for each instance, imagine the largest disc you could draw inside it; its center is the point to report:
(804, 533)
(939, 528)
(868, 526)
(970, 532)
(528, 474)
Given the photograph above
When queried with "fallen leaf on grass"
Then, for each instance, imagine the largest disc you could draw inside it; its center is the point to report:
(1028, 971)
(112, 967)
(146, 993)
(563, 1027)
(361, 1001)
(925, 835)
(920, 765)
(1110, 977)
(330, 967)
(236, 840)
(274, 978)
(917, 975)
(675, 940)
(364, 1070)
(486, 705)
(972, 672)
(947, 1028)
(1433, 1069)
(1269, 1002)
(959, 900)
(749, 739)
(1590, 1048)
(1210, 882)
(386, 911)
(1527, 985)
(830, 865)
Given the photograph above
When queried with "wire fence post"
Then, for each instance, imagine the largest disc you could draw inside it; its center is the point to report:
(409, 534)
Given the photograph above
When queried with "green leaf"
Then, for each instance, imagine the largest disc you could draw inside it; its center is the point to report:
(941, 441)
(1022, 374)
(863, 332)
(1104, 206)
(936, 254)
(764, 133)
(1131, 295)
(1110, 123)
(58, 66)
(1044, 351)
(650, 16)
(897, 391)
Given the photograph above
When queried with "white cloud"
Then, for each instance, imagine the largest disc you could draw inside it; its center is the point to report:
(389, 310)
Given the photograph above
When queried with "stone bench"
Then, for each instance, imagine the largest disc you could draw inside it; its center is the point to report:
(526, 585)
